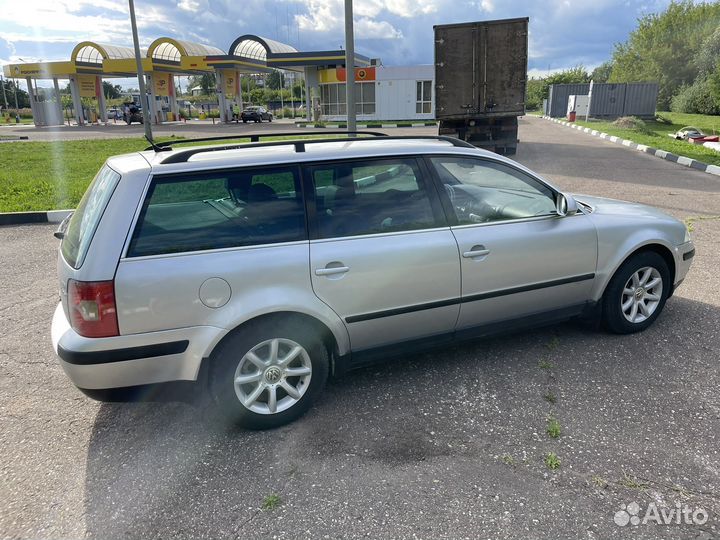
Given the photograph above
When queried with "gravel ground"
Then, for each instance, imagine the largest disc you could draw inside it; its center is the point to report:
(441, 445)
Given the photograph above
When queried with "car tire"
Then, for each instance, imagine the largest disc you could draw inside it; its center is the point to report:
(269, 118)
(249, 405)
(244, 121)
(636, 293)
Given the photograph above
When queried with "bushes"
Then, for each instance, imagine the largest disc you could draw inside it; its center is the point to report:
(697, 98)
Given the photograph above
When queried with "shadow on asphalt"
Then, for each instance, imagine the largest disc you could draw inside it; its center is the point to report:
(167, 469)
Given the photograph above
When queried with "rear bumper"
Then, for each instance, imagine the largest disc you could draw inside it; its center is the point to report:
(131, 360)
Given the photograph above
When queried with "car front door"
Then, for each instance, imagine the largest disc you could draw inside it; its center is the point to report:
(381, 253)
(518, 257)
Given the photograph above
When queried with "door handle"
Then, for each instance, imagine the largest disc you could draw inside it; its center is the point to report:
(476, 251)
(331, 271)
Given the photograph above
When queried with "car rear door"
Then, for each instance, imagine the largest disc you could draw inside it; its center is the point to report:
(518, 258)
(381, 253)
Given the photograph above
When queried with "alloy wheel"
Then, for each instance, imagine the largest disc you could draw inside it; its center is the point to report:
(641, 294)
(273, 376)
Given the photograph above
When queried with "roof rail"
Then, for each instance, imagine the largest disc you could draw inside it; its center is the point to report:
(184, 155)
(254, 137)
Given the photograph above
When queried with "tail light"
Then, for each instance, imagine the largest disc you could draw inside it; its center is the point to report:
(92, 308)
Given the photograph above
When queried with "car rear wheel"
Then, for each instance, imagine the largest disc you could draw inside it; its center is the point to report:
(636, 293)
(268, 374)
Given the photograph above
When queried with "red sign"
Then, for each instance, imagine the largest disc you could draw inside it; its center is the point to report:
(361, 74)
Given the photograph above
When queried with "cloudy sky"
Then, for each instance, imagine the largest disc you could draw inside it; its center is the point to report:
(563, 33)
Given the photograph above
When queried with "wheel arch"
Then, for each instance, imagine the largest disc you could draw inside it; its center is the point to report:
(654, 247)
(326, 335)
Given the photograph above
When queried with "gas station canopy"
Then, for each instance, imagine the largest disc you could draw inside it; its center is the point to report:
(91, 62)
(248, 53)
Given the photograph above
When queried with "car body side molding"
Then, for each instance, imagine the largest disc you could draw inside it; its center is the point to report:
(471, 298)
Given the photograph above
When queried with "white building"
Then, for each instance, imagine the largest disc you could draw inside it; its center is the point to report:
(382, 93)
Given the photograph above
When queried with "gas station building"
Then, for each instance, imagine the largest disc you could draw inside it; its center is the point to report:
(381, 92)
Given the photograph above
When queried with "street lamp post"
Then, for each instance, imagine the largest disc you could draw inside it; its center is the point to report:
(349, 67)
(141, 75)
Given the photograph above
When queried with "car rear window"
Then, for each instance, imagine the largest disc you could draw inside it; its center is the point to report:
(85, 219)
(220, 209)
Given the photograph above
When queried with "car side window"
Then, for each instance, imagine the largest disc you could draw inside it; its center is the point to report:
(368, 197)
(485, 191)
(220, 209)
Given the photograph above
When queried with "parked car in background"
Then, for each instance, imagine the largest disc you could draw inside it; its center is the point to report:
(256, 114)
(132, 113)
(260, 269)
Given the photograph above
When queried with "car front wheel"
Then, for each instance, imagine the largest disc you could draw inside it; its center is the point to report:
(268, 374)
(636, 293)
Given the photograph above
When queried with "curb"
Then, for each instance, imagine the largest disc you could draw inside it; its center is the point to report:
(667, 156)
(21, 218)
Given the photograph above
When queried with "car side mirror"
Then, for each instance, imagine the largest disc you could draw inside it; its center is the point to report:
(565, 205)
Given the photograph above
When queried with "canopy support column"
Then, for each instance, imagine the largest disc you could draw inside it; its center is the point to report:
(77, 102)
(152, 105)
(173, 98)
(101, 100)
(58, 100)
(220, 90)
(33, 103)
(308, 99)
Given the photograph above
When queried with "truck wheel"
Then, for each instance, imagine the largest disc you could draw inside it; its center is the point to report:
(268, 374)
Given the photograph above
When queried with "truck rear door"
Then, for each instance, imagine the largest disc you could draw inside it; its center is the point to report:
(481, 68)
(505, 66)
(456, 70)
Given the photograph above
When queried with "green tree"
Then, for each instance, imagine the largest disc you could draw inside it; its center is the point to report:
(602, 73)
(298, 88)
(23, 100)
(275, 80)
(206, 82)
(664, 46)
(111, 91)
(538, 89)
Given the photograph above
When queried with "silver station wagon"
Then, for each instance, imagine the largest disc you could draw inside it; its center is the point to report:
(259, 269)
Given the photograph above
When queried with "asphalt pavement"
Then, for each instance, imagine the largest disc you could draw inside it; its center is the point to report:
(449, 444)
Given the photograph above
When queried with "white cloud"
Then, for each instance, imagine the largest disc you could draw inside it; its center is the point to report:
(189, 5)
(367, 28)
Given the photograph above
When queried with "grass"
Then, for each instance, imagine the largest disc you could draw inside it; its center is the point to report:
(271, 502)
(553, 428)
(552, 462)
(545, 364)
(690, 222)
(553, 344)
(630, 481)
(508, 459)
(550, 398)
(54, 175)
(655, 134)
(599, 481)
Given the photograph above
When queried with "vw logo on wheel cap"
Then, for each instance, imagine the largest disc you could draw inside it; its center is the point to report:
(273, 374)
